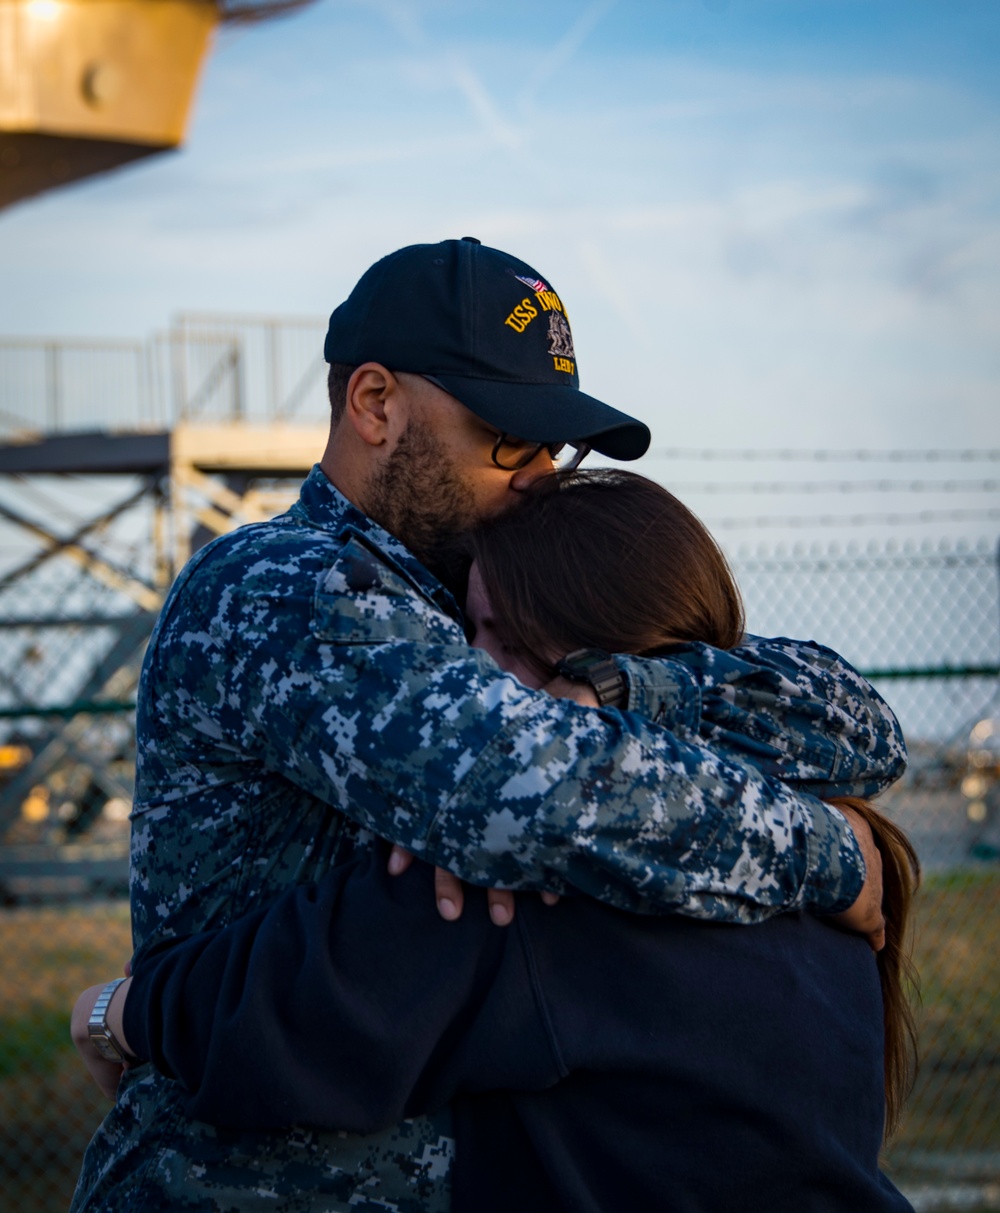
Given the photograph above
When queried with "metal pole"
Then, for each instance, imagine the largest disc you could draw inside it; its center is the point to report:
(52, 384)
(273, 357)
(237, 363)
(178, 352)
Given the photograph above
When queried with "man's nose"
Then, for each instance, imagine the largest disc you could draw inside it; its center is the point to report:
(540, 466)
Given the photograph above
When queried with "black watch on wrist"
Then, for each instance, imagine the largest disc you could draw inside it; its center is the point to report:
(599, 669)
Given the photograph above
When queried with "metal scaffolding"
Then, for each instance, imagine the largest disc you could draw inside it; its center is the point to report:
(117, 460)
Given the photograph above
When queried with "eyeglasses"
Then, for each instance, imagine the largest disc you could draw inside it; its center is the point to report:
(512, 453)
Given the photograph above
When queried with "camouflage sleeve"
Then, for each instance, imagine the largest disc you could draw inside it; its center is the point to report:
(797, 710)
(387, 714)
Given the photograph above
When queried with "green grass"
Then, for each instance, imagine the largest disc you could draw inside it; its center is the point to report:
(34, 1043)
(955, 1105)
(48, 1108)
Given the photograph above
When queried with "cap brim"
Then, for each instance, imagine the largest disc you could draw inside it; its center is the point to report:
(549, 412)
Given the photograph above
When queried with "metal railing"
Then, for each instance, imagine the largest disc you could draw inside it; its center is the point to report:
(205, 367)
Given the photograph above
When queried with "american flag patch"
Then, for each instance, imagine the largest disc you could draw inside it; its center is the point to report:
(536, 284)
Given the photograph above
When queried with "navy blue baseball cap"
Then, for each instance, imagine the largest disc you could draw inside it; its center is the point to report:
(491, 332)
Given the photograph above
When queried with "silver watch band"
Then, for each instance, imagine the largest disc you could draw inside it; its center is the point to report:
(101, 1036)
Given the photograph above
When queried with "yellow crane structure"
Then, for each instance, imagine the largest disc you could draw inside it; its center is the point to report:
(90, 85)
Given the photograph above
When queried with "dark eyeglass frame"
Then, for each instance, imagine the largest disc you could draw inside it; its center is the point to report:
(530, 452)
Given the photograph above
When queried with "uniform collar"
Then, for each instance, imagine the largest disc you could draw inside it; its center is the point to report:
(323, 505)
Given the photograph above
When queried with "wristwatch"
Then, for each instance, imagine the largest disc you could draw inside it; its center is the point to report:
(599, 669)
(98, 1032)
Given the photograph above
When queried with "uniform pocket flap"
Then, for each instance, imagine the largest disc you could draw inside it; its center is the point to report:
(361, 600)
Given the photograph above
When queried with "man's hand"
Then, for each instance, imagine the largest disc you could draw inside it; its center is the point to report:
(865, 916)
(450, 894)
(107, 1074)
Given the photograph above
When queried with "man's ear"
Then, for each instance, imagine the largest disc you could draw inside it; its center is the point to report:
(370, 392)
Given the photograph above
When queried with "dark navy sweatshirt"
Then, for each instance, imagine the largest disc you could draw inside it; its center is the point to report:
(595, 1061)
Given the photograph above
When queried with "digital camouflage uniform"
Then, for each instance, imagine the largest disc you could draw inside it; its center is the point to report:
(309, 683)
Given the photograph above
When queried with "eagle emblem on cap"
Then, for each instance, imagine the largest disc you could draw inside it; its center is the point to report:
(560, 337)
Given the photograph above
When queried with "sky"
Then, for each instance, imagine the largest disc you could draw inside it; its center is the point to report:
(775, 223)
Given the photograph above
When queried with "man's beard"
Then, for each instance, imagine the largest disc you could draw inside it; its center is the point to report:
(418, 497)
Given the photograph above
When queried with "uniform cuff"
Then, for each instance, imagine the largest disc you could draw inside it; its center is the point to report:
(836, 866)
(663, 691)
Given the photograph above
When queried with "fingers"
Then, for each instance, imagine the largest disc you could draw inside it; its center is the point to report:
(877, 935)
(399, 861)
(861, 921)
(448, 894)
(501, 903)
(450, 897)
(447, 888)
(868, 907)
(865, 915)
(550, 899)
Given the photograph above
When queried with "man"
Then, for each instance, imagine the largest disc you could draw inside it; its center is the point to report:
(309, 685)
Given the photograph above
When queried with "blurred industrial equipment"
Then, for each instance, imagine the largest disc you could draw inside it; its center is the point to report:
(89, 85)
(981, 786)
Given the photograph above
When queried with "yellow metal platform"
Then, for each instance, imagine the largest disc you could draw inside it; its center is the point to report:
(87, 85)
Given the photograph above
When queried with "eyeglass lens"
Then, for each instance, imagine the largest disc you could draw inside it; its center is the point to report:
(512, 453)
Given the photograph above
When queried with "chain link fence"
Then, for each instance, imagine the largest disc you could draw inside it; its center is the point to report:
(924, 620)
(914, 607)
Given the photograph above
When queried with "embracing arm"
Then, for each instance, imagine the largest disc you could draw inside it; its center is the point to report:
(343, 1005)
(502, 785)
(366, 695)
(350, 1004)
(795, 709)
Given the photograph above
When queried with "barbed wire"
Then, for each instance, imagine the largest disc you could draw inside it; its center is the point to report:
(884, 519)
(912, 552)
(836, 486)
(785, 455)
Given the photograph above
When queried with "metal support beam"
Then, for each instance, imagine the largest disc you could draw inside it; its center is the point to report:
(87, 454)
(114, 678)
(102, 570)
(73, 540)
(68, 677)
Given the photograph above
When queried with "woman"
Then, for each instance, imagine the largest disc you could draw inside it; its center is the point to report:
(610, 560)
(593, 1058)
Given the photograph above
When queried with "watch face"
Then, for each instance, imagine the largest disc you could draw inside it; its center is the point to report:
(581, 664)
(107, 1048)
(589, 662)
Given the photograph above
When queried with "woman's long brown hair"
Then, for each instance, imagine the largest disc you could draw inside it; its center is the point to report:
(608, 559)
(604, 559)
(897, 976)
